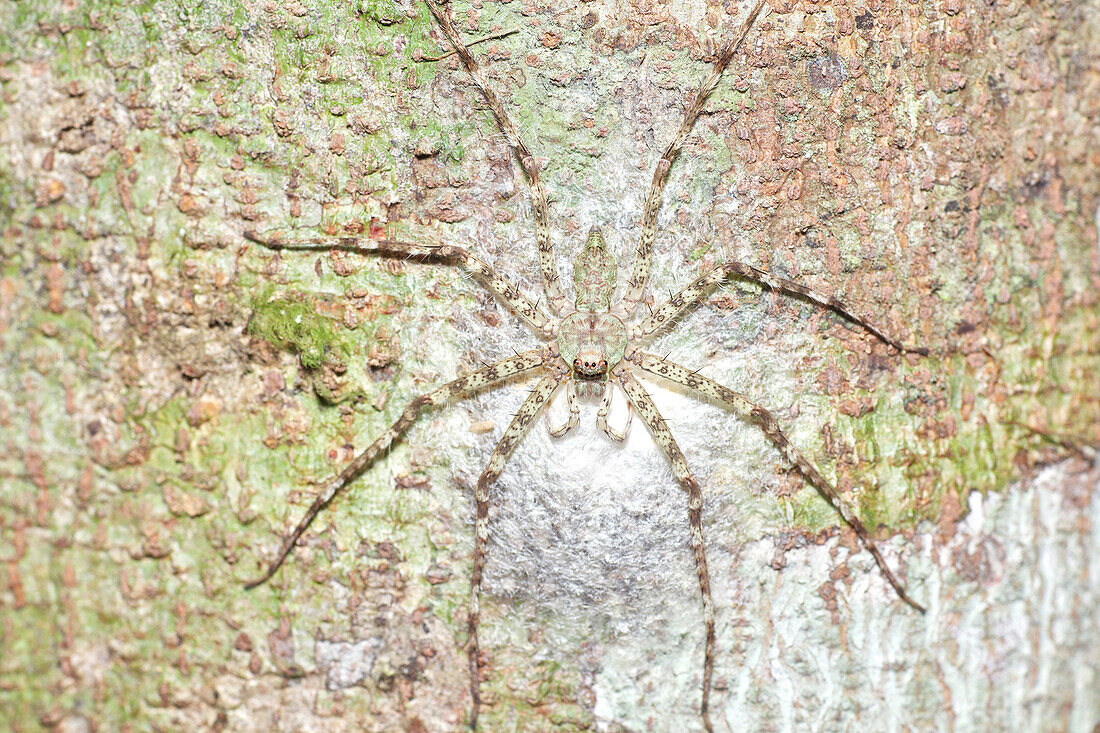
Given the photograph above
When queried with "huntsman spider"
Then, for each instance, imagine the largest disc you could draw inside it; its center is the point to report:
(592, 345)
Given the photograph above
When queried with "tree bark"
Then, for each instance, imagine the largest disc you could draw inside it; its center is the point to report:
(173, 395)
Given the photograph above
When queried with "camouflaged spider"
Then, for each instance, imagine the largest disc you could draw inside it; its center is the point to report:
(592, 345)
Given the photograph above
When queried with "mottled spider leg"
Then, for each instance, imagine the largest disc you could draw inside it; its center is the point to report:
(605, 408)
(643, 256)
(751, 412)
(643, 403)
(535, 401)
(574, 412)
(558, 302)
(475, 380)
(693, 294)
(443, 253)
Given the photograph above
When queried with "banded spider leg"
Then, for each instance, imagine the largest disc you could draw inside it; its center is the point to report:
(539, 360)
(547, 264)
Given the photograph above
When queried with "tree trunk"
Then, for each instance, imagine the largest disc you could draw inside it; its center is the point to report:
(174, 395)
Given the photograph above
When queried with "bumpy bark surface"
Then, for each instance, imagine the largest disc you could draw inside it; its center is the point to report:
(172, 395)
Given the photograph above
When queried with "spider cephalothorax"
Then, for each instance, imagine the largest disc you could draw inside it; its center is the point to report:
(591, 344)
(599, 351)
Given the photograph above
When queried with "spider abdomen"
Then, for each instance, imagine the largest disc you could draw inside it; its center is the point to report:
(594, 274)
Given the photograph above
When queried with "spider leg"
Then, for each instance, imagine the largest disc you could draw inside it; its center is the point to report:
(693, 294)
(643, 257)
(535, 401)
(751, 412)
(605, 408)
(643, 403)
(574, 413)
(442, 253)
(558, 302)
(475, 380)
